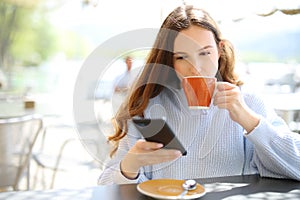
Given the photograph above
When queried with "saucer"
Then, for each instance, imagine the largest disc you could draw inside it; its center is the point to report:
(168, 189)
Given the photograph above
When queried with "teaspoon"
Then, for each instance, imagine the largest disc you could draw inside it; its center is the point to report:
(188, 185)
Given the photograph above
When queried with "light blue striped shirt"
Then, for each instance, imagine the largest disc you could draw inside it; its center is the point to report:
(216, 145)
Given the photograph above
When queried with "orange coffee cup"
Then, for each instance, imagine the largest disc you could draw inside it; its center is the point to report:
(199, 91)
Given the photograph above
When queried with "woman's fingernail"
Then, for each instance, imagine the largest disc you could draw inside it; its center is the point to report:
(178, 153)
(159, 145)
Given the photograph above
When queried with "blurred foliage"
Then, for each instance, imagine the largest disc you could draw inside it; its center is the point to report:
(36, 42)
(256, 56)
(252, 56)
(26, 37)
(72, 44)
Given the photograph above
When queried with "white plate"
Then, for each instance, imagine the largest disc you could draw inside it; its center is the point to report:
(168, 189)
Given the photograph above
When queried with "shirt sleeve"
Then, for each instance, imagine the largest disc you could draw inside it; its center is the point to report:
(112, 173)
(276, 148)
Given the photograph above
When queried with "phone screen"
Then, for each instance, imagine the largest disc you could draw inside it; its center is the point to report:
(157, 130)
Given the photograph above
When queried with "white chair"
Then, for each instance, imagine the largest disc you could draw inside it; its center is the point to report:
(61, 162)
(17, 137)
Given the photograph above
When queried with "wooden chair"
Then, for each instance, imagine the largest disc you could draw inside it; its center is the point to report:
(17, 138)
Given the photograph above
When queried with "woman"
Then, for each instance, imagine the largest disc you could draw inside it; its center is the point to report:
(239, 134)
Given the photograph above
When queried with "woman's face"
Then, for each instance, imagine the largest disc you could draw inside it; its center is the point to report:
(195, 53)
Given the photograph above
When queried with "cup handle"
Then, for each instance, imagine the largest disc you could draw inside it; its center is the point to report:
(215, 90)
(216, 85)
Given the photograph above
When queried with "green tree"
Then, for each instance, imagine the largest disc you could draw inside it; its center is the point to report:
(26, 37)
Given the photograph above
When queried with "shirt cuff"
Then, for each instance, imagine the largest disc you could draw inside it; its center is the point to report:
(119, 178)
(262, 134)
(254, 129)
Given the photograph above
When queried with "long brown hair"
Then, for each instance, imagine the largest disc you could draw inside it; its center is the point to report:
(161, 55)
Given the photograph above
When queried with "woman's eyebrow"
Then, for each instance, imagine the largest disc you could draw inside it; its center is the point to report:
(179, 52)
(206, 47)
(201, 49)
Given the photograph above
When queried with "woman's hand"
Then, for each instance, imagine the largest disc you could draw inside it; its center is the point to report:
(145, 153)
(228, 96)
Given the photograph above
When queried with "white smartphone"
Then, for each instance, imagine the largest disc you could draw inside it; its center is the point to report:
(157, 130)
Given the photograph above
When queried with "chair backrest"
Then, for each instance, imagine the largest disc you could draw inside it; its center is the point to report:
(17, 137)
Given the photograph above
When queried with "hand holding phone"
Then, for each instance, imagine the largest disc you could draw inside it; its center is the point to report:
(157, 130)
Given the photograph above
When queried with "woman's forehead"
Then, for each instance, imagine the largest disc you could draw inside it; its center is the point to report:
(194, 37)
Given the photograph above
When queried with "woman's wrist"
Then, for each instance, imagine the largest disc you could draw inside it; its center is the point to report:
(129, 171)
(249, 120)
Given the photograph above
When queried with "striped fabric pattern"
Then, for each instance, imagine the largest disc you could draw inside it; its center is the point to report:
(216, 145)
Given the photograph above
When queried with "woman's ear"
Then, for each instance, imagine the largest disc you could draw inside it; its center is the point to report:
(220, 48)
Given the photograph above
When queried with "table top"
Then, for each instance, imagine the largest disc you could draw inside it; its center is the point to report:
(231, 187)
(16, 108)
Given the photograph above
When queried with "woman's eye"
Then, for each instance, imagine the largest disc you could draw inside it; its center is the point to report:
(180, 57)
(204, 53)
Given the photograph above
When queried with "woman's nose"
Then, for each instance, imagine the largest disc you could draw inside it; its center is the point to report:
(196, 63)
(194, 71)
(194, 67)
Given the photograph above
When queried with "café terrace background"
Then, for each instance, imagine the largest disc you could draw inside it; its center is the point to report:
(38, 34)
(44, 43)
